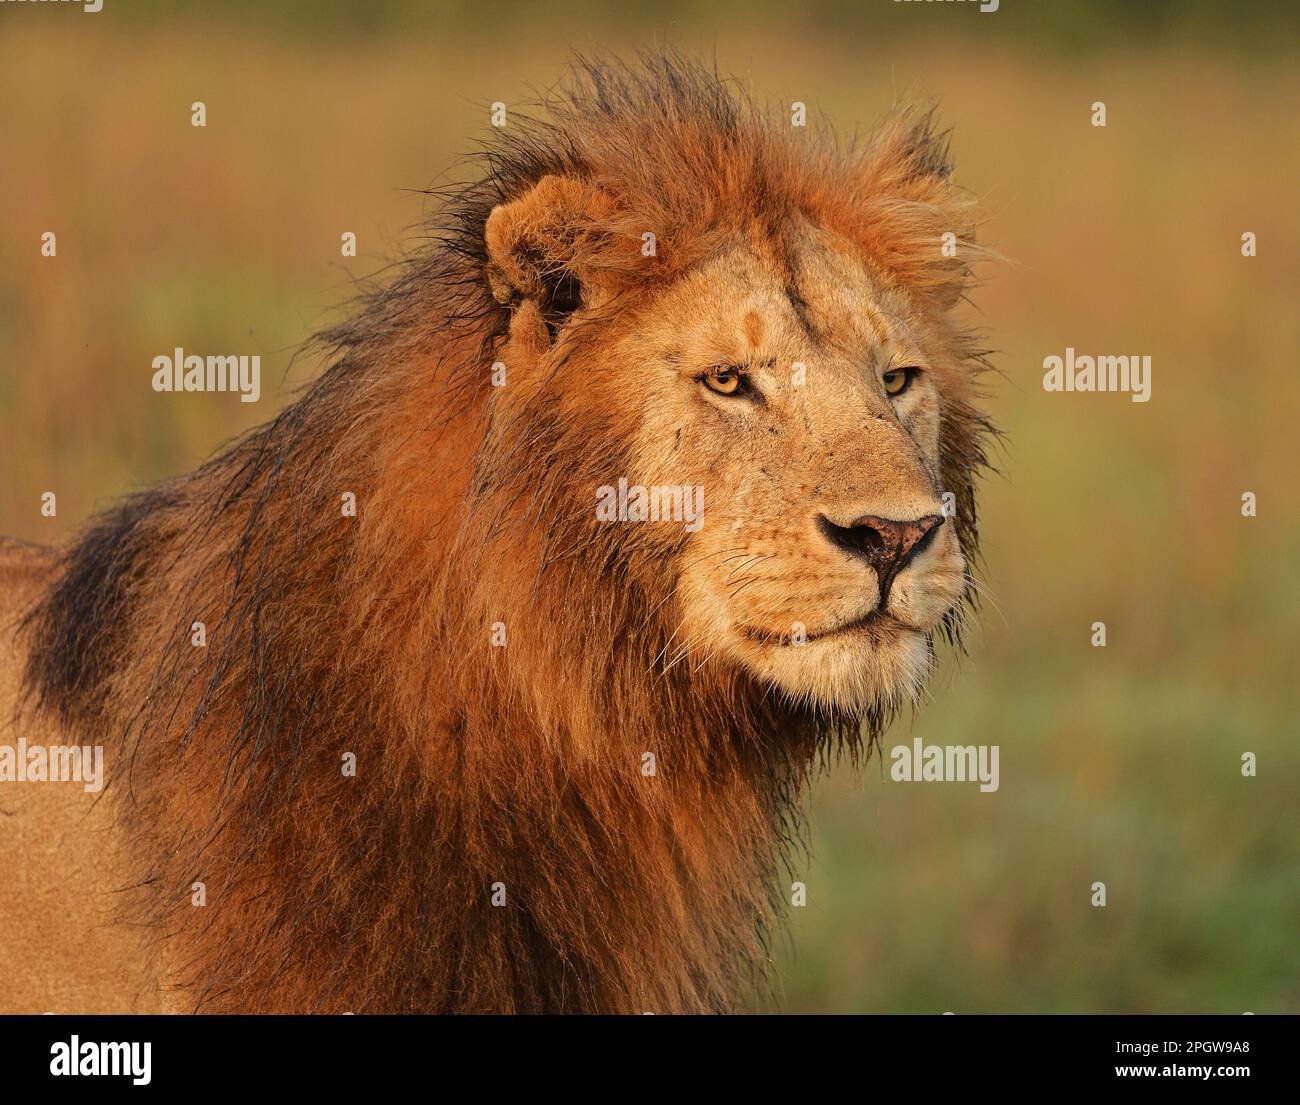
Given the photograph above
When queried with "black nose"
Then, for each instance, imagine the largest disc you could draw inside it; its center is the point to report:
(886, 545)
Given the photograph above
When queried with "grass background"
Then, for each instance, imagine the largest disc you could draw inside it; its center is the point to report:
(1119, 765)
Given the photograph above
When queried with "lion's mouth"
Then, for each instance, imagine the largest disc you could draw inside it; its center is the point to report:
(876, 623)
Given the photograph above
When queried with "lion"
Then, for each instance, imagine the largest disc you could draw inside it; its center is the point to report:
(396, 719)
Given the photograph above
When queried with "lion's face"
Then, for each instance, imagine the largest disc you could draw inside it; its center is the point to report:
(805, 396)
(804, 399)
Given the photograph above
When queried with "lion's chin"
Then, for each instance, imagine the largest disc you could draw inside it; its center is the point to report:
(854, 671)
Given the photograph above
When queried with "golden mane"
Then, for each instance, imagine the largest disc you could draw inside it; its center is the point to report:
(480, 770)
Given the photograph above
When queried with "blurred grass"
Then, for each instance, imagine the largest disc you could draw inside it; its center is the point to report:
(1119, 765)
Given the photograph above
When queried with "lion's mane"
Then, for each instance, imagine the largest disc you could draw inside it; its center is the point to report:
(480, 770)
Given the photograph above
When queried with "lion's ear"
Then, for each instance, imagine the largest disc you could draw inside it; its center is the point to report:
(910, 218)
(546, 246)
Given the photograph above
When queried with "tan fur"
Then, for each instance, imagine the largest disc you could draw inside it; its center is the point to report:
(522, 767)
(63, 947)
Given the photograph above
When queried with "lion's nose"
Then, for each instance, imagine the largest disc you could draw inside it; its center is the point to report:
(885, 544)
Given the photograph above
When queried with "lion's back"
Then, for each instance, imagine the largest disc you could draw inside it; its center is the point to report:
(62, 952)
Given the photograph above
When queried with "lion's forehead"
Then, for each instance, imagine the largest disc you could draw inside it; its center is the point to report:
(743, 304)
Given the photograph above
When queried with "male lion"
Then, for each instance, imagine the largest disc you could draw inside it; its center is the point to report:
(476, 745)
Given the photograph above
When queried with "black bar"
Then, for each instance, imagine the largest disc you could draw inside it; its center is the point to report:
(1244, 1054)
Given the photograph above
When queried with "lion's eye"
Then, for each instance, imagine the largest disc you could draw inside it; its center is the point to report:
(726, 382)
(898, 380)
